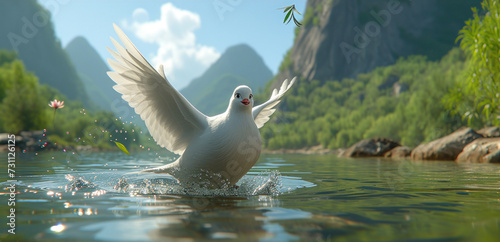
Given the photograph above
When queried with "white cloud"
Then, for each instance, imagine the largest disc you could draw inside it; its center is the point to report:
(182, 58)
(140, 15)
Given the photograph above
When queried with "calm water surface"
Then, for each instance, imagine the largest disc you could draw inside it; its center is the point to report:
(90, 196)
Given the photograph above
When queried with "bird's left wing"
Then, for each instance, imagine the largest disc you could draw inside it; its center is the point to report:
(262, 113)
(169, 117)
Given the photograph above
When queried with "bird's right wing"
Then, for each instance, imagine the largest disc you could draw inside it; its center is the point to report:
(262, 113)
(169, 117)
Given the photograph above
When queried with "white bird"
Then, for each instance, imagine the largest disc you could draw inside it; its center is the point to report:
(215, 152)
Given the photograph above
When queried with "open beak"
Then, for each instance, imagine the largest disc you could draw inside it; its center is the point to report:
(245, 101)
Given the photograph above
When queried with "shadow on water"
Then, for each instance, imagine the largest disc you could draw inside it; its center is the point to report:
(284, 197)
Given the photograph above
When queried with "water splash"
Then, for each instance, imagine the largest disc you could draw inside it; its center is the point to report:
(265, 183)
(77, 183)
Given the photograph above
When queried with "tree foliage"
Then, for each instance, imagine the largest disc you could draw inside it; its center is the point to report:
(478, 97)
(23, 107)
(22, 104)
(403, 101)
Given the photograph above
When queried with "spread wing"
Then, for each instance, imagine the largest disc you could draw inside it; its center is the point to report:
(169, 117)
(262, 113)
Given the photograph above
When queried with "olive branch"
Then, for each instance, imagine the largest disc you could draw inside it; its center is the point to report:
(289, 16)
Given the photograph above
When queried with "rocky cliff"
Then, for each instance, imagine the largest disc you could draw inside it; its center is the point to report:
(343, 38)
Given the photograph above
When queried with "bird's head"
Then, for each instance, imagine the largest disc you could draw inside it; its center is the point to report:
(242, 98)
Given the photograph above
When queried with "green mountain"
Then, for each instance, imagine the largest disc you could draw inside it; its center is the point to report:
(238, 65)
(92, 71)
(25, 27)
(360, 76)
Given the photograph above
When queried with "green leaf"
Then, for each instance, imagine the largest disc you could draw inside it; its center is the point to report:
(290, 19)
(296, 22)
(287, 16)
(296, 10)
(122, 147)
(287, 8)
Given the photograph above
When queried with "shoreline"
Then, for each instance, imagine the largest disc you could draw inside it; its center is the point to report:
(314, 150)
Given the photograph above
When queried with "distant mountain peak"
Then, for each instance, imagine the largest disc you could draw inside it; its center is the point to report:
(92, 70)
(78, 41)
(239, 64)
(240, 48)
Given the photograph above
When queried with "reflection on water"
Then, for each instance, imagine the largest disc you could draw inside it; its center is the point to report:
(93, 196)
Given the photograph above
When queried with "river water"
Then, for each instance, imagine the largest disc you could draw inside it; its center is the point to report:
(93, 196)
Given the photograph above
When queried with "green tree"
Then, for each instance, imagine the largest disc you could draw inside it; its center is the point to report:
(22, 106)
(478, 97)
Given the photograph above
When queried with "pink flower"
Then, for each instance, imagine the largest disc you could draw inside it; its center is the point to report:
(56, 104)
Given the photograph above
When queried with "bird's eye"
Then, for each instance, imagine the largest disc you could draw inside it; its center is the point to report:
(251, 95)
(237, 95)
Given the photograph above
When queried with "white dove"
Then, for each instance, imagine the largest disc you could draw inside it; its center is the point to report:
(215, 152)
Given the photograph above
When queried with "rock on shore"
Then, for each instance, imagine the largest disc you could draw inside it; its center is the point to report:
(447, 147)
(400, 152)
(483, 150)
(370, 147)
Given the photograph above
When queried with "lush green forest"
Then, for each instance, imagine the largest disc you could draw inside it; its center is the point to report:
(412, 101)
(24, 106)
(403, 101)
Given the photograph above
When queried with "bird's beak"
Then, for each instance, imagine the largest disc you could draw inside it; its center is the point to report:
(245, 101)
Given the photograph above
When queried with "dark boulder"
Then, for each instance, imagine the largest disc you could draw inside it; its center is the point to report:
(370, 147)
(399, 152)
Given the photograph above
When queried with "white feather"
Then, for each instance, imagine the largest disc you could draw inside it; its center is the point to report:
(143, 87)
(263, 112)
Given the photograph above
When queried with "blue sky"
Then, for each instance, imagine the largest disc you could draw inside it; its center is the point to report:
(184, 35)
